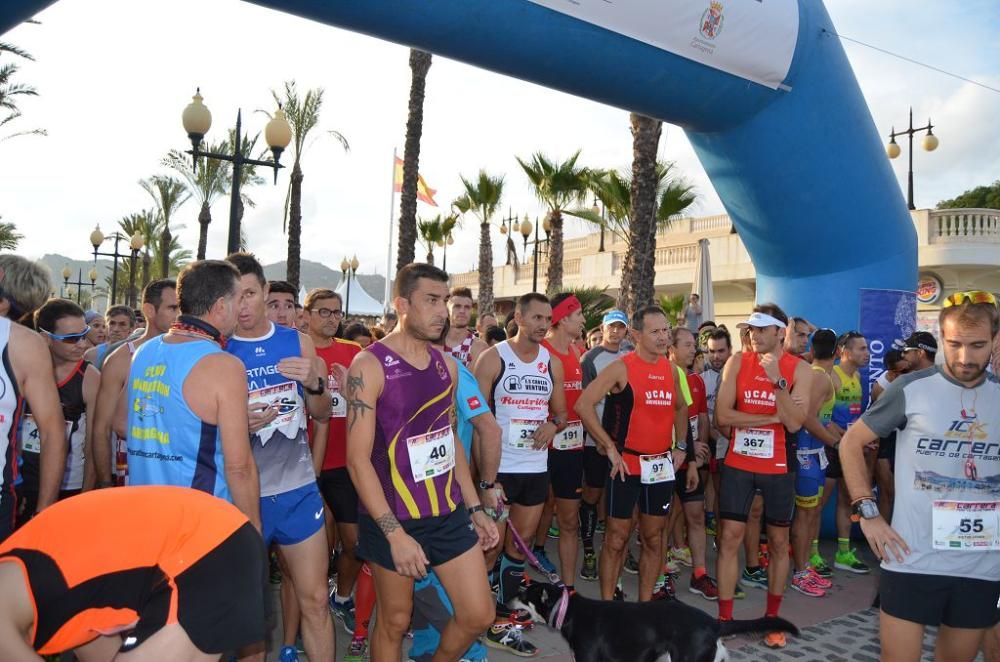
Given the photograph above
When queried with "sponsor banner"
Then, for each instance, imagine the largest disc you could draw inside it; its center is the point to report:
(885, 316)
(752, 39)
(929, 289)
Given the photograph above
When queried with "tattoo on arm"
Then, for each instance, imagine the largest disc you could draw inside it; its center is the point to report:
(358, 407)
(387, 523)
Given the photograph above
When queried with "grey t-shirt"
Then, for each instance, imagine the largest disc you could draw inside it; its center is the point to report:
(596, 359)
(947, 472)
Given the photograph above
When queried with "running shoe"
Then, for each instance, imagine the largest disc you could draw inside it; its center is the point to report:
(507, 637)
(739, 593)
(804, 582)
(819, 579)
(705, 586)
(775, 640)
(756, 579)
(543, 560)
(288, 654)
(631, 565)
(682, 555)
(600, 526)
(518, 617)
(820, 566)
(711, 527)
(344, 611)
(357, 650)
(848, 561)
(764, 556)
(589, 569)
(619, 593)
(671, 567)
(554, 531)
(665, 583)
(663, 593)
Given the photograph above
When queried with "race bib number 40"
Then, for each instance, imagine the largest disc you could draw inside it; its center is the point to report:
(656, 468)
(520, 431)
(754, 442)
(570, 439)
(431, 454)
(967, 526)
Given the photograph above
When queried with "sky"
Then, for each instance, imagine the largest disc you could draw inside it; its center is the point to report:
(114, 76)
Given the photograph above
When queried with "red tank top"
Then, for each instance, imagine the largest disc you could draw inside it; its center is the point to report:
(572, 437)
(342, 352)
(759, 449)
(651, 421)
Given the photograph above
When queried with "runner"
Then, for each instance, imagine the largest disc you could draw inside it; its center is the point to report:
(109, 450)
(282, 303)
(682, 352)
(941, 554)
(174, 574)
(415, 496)
(62, 325)
(643, 412)
(325, 309)
(26, 372)
(614, 326)
(720, 348)
(98, 328)
(756, 400)
(853, 353)
(814, 439)
(286, 388)
(566, 451)
(525, 390)
(919, 350)
(485, 322)
(461, 342)
(895, 366)
(121, 324)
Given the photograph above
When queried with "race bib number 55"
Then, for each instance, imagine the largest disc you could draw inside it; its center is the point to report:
(754, 442)
(967, 526)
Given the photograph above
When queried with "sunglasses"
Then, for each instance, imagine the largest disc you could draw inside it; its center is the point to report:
(972, 296)
(69, 338)
(847, 337)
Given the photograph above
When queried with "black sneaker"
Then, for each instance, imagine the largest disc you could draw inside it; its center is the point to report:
(619, 594)
(507, 637)
(518, 617)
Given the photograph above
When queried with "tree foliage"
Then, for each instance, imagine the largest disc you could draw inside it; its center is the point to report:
(981, 197)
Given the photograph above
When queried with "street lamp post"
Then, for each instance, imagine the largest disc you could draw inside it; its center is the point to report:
(135, 244)
(546, 225)
(349, 269)
(278, 133)
(525, 233)
(930, 143)
(600, 210)
(507, 227)
(66, 273)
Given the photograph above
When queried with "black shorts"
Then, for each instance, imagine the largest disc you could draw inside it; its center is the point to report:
(525, 489)
(596, 467)
(833, 469)
(566, 473)
(958, 602)
(338, 491)
(623, 495)
(442, 538)
(8, 509)
(698, 493)
(738, 487)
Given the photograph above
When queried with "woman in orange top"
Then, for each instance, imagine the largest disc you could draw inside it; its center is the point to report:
(169, 572)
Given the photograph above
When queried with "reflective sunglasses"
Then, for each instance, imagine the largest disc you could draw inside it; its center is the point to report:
(69, 338)
(972, 296)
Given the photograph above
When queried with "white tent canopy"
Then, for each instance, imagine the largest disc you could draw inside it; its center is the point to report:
(702, 285)
(361, 303)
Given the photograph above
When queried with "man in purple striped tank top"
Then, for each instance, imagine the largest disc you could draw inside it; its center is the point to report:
(419, 506)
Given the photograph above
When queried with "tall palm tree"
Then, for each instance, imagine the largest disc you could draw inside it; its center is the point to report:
(207, 184)
(436, 232)
(482, 198)
(302, 112)
(9, 237)
(11, 92)
(638, 272)
(557, 186)
(168, 193)
(420, 64)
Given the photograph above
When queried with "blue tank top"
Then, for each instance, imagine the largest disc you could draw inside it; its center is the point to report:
(101, 353)
(281, 450)
(167, 443)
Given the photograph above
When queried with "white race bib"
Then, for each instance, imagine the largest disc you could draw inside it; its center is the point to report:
(282, 397)
(754, 442)
(31, 441)
(431, 454)
(338, 405)
(966, 526)
(656, 468)
(570, 439)
(519, 433)
(693, 422)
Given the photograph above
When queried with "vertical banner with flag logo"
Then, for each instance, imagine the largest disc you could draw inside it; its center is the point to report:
(884, 316)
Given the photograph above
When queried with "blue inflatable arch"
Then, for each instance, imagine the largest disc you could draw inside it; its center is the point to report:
(762, 89)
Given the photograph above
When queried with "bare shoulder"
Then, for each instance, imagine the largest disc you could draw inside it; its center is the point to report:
(25, 339)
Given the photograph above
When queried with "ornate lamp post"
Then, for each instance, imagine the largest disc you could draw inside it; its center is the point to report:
(135, 244)
(349, 269)
(930, 143)
(66, 273)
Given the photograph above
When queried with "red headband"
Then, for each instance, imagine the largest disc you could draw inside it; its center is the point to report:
(565, 308)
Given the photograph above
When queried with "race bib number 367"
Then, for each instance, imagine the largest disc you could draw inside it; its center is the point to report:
(754, 442)
(967, 526)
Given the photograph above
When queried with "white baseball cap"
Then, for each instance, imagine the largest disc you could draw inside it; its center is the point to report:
(761, 321)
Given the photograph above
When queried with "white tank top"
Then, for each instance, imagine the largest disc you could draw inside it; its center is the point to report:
(8, 408)
(521, 397)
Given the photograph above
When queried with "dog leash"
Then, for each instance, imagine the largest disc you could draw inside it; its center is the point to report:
(558, 615)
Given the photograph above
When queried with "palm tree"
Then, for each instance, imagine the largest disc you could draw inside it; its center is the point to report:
(146, 224)
(482, 198)
(594, 302)
(11, 92)
(557, 186)
(303, 116)
(168, 194)
(207, 183)
(436, 232)
(9, 237)
(420, 64)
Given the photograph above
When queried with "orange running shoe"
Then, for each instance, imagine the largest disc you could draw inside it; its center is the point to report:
(775, 640)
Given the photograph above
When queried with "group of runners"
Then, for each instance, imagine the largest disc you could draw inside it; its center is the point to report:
(435, 463)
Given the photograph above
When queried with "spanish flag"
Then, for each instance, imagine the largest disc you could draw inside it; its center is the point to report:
(424, 192)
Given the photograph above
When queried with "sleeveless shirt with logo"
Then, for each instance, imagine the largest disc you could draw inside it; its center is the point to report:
(811, 449)
(571, 438)
(760, 449)
(521, 395)
(847, 407)
(414, 448)
(640, 418)
(342, 352)
(462, 352)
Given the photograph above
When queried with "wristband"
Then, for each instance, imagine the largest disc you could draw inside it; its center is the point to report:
(316, 391)
(478, 508)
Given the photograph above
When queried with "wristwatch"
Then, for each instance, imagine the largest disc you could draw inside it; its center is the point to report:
(478, 508)
(316, 391)
(484, 485)
(781, 384)
(866, 508)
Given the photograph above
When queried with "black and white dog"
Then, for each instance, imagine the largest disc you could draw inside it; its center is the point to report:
(662, 631)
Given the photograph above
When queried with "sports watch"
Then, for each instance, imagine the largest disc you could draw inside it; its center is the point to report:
(484, 485)
(781, 384)
(866, 508)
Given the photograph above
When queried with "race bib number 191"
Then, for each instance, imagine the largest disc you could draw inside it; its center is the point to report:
(966, 526)
(570, 439)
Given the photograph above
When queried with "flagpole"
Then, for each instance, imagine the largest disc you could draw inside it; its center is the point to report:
(392, 226)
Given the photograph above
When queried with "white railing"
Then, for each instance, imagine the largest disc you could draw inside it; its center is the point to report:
(468, 279)
(962, 225)
(666, 257)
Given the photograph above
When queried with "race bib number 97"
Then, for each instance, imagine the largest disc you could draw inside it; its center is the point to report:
(656, 468)
(967, 526)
